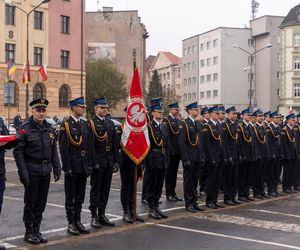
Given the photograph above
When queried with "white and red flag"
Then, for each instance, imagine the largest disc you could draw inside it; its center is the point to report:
(43, 72)
(135, 139)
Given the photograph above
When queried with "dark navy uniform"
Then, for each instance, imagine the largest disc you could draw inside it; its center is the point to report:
(192, 156)
(105, 150)
(296, 180)
(36, 155)
(290, 155)
(17, 122)
(172, 124)
(75, 149)
(157, 161)
(230, 173)
(274, 164)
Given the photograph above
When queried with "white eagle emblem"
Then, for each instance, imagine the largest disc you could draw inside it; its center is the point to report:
(136, 115)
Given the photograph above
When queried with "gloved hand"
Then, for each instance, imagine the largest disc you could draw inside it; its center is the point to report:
(116, 167)
(88, 173)
(68, 173)
(24, 178)
(187, 164)
(56, 177)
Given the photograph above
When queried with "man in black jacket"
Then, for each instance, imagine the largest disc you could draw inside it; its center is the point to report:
(289, 153)
(172, 124)
(192, 156)
(157, 161)
(75, 149)
(230, 145)
(106, 154)
(36, 156)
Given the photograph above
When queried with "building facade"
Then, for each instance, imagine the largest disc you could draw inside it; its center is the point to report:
(290, 62)
(120, 37)
(213, 71)
(265, 31)
(53, 28)
(168, 67)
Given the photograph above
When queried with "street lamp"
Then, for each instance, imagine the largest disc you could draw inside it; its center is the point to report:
(251, 66)
(9, 2)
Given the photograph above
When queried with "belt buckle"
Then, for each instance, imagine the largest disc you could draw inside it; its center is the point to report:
(82, 153)
(107, 148)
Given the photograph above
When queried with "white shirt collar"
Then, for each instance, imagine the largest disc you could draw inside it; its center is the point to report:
(206, 120)
(172, 116)
(193, 120)
(275, 125)
(289, 126)
(157, 122)
(214, 122)
(101, 118)
(258, 124)
(75, 119)
(246, 123)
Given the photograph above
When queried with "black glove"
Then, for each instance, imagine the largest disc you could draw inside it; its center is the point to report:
(68, 173)
(116, 167)
(187, 164)
(56, 177)
(24, 178)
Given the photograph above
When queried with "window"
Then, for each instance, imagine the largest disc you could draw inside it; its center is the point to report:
(215, 77)
(168, 76)
(194, 80)
(297, 39)
(215, 43)
(189, 66)
(251, 42)
(184, 52)
(39, 91)
(208, 45)
(11, 93)
(296, 89)
(202, 63)
(65, 23)
(215, 60)
(38, 20)
(278, 92)
(202, 95)
(278, 74)
(202, 46)
(194, 65)
(194, 96)
(10, 52)
(208, 94)
(189, 96)
(64, 59)
(215, 93)
(164, 76)
(64, 95)
(38, 56)
(189, 50)
(208, 61)
(202, 79)
(9, 15)
(208, 78)
(189, 81)
(296, 63)
(178, 73)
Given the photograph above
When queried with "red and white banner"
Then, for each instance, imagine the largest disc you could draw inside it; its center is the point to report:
(43, 72)
(135, 139)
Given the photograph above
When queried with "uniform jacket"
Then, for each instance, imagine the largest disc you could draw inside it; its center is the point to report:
(3, 131)
(172, 125)
(191, 141)
(75, 146)
(245, 142)
(158, 156)
(273, 133)
(230, 140)
(105, 142)
(288, 143)
(36, 152)
(260, 142)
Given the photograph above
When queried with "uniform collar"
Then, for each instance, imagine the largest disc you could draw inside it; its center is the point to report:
(75, 119)
(289, 126)
(101, 118)
(192, 119)
(172, 116)
(246, 123)
(157, 122)
(275, 125)
(259, 124)
(214, 122)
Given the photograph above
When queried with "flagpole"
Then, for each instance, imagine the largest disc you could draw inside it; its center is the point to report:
(135, 167)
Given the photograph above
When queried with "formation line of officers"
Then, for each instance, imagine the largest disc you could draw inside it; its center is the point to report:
(221, 152)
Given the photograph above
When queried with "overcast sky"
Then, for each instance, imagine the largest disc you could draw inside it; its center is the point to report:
(170, 21)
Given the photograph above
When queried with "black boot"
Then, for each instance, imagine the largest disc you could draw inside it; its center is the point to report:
(104, 220)
(72, 228)
(38, 234)
(2, 247)
(79, 225)
(152, 212)
(30, 236)
(127, 215)
(162, 215)
(95, 222)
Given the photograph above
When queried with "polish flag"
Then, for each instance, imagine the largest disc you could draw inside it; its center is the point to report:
(135, 139)
(43, 72)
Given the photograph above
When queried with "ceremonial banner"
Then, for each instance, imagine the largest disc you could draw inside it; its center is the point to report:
(135, 139)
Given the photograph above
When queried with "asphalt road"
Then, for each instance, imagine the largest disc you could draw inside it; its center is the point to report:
(268, 224)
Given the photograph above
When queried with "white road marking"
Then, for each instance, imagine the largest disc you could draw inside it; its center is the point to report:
(237, 220)
(226, 236)
(59, 206)
(272, 212)
(8, 246)
(7, 158)
(11, 170)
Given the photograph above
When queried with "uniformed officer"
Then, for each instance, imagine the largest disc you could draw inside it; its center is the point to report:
(203, 175)
(192, 156)
(75, 149)
(274, 164)
(215, 156)
(289, 153)
(246, 156)
(262, 155)
(296, 179)
(36, 155)
(230, 145)
(267, 119)
(106, 154)
(146, 180)
(157, 161)
(172, 124)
